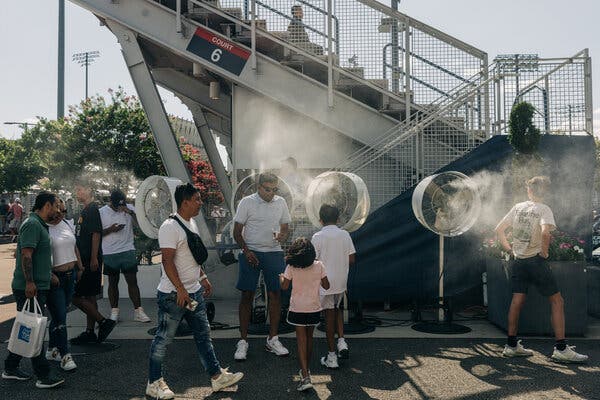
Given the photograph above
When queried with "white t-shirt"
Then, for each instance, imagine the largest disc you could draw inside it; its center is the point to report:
(63, 243)
(117, 242)
(260, 220)
(333, 246)
(172, 236)
(526, 219)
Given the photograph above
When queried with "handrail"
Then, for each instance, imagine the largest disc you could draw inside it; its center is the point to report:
(333, 17)
(425, 28)
(390, 142)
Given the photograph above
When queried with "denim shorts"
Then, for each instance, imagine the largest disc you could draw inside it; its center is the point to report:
(125, 262)
(533, 270)
(270, 263)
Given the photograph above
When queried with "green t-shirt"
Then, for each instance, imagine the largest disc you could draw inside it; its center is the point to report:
(34, 234)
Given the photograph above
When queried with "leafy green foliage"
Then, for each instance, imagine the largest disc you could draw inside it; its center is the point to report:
(523, 135)
(21, 167)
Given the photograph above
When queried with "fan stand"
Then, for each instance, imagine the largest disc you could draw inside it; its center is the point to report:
(262, 328)
(443, 325)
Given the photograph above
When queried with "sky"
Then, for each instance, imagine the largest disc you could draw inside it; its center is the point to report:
(28, 72)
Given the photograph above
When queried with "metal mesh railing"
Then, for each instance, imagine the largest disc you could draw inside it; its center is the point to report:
(457, 123)
(559, 99)
(369, 40)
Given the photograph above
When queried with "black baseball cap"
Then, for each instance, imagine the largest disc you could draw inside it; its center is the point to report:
(117, 198)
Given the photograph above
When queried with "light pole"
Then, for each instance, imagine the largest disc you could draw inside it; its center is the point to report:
(85, 59)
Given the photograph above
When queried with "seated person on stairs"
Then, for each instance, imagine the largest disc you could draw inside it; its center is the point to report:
(297, 32)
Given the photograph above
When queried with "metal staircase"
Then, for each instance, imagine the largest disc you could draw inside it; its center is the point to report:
(406, 97)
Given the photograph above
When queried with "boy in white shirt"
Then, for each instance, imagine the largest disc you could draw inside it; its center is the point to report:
(335, 250)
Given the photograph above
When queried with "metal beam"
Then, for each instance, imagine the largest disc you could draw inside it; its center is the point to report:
(156, 114)
(193, 89)
(212, 152)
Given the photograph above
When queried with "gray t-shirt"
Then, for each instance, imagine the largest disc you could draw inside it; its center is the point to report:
(260, 220)
(526, 219)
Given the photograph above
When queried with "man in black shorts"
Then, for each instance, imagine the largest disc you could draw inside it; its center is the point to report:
(531, 222)
(88, 231)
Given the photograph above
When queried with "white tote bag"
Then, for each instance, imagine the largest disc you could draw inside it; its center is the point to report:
(28, 331)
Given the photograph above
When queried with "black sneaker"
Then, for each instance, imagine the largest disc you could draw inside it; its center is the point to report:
(84, 338)
(15, 374)
(104, 328)
(48, 383)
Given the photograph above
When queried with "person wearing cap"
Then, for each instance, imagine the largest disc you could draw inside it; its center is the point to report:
(16, 209)
(118, 250)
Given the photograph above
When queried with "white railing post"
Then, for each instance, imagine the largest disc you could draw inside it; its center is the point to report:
(407, 72)
(178, 16)
(589, 111)
(329, 55)
(253, 34)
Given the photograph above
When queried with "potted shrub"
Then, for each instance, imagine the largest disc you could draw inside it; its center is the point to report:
(567, 261)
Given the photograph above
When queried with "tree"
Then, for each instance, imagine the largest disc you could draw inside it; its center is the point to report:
(112, 142)
(21, 167)
(524, 137)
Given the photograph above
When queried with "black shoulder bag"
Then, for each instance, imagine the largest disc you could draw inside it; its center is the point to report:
(194, 243)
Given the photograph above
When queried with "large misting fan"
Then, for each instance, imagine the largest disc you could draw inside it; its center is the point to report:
(447, 204)
(344, 190)
(154, 202)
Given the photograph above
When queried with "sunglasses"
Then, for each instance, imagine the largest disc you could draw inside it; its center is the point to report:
(63, 211)
(270, 190)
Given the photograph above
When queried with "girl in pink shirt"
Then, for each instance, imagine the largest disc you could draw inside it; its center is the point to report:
(308, 276)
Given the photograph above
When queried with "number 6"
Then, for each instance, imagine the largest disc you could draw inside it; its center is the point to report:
(216, 55)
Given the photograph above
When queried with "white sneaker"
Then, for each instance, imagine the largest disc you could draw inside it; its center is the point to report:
(67, 363)
(114, 314)
(342, 348)
(226, 379)
(517, 351)
(140, 316)
(274, 346)
(568, 355)
(159, 390)
(241, 350)
(330, 361)
(53, 354)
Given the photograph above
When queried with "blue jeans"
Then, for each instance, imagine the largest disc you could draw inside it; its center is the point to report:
(40, 365)
(169, 316)
(59, 299)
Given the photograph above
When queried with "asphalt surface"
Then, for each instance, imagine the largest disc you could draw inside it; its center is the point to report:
(377, 369)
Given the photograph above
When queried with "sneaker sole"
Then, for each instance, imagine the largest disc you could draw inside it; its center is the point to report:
(560, 361)
(278, 355)
(323, 363)
(49, 386)
(304, 388)
(14, 377)
(344, 354)
(142, 321)
(230, 384)
(149, 397)
(239, 359)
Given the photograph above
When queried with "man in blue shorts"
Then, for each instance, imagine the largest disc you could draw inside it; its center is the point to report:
(261, 225)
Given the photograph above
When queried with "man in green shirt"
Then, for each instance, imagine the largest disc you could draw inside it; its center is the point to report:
(32, 278)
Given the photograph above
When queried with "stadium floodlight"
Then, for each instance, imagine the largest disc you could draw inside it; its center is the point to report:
(85, 59)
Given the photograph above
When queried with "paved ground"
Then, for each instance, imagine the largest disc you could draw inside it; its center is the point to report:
(378, 369)
(393, 362)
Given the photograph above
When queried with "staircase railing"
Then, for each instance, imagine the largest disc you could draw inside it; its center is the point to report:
(416, 148)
